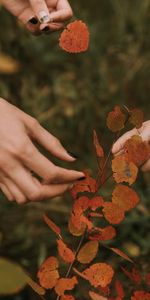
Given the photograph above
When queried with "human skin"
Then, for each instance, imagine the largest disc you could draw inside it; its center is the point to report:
(144, 132)
(40, 15)
(19, 156)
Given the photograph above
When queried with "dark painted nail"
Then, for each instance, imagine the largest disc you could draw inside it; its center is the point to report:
(72, 154)
(33, 21)
(82, 178)
(45, 29)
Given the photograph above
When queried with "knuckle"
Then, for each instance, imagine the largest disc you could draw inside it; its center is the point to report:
(34, 123)
(69, 14)
(35, 195)
(23, 150)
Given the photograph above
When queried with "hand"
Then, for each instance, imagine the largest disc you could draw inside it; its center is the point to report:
(145, 135)
(19, 156)
(40, 15)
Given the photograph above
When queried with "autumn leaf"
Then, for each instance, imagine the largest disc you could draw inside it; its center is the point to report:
(136, 150)
(65, 284)
(88, 252)
(104, 234)
(133, 275)
(67, 297)
(96, 202)
(122, 254)
(80, 205)
(79, 188)
(119, 289)
(116, 119)
(140, 295)
(99, 274)
(52, 225)
(125, 197)
(8, 65)
(113, 213)
(36, 287)
(136, 117)
(98, 147)
(75, 38)
(74, 230)
(66, 254)
(48, 273)
(147, 279)
(124, 171)
(95, 296)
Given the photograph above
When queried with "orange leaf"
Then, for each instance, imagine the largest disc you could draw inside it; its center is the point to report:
(80, 205)
(122, 254)
(36, 287)
(65, 284)
(67, 297)
(79, 188)
(124, 171)
(74, 230)
(124, 197)
(48, 273)
(96, 202)
(52, 225)
(136, 150)
(66, 254)
(119, 289)
(104, 234)
(116, 120)
(75, 38)
(95, 296)
(113, 213)
(136, 117)
(140, 295)
(98, 147)
(147, 279)
(88, 252)
(99, 274)
(134, 275)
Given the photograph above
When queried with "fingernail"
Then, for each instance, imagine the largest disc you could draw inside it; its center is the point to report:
(45, 29)
(44, 17)
(82, 178)
(33, 21)
(72, 154)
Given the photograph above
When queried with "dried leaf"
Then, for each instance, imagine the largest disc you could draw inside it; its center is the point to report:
(75, 38)
(125, 197)
(81, 205)
(79, 188)
(119, 289)
(48, 273)
(136, 117)
(136, 150)
(95, 296)
(99, 274)
(122, 254)
(134, 275)
(113, 213)
(116, 120)
(124, 171)
(98, 147)
(66, 253)
(8, 65)
(52, 225)
(88, 252)
(147, 279)
(67, 297)
(65, 284)
(36, 287)
(140, 295)
(96, 202)
(74, 230)
(104, 234)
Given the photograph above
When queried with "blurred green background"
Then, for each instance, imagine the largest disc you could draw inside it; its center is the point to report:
(70, 95)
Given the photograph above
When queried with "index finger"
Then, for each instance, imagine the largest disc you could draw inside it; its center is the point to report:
(119, 144)
(63, 12)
